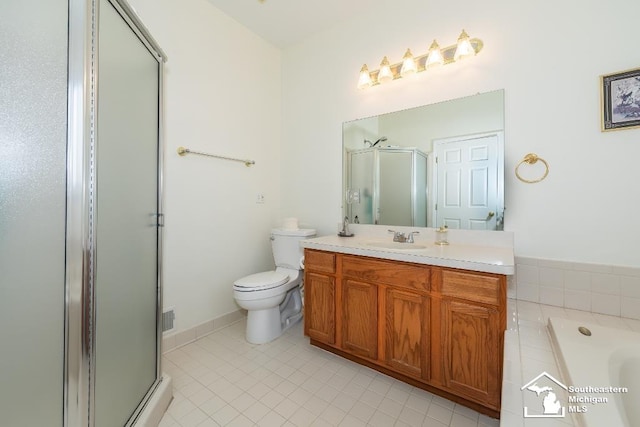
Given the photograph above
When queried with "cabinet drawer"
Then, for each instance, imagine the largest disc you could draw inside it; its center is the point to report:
(388, 273)
(483, 288)
(324, 262)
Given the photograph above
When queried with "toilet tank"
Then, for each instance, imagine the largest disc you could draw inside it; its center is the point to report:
(285, 245)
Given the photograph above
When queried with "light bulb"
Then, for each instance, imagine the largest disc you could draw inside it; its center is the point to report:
(365, 78)
(434, 58)
(385, 74)
(464, 48)
(408, 64)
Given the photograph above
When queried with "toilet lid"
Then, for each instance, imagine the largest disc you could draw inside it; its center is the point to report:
(264, 280)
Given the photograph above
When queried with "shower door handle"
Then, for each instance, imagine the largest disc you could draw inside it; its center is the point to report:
(159, 219)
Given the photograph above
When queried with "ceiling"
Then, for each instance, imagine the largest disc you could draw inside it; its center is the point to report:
(286, 22)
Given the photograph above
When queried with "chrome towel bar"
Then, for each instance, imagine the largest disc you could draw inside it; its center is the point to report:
(184, 151)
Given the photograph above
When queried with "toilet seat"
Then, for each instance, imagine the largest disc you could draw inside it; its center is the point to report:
(261, 281)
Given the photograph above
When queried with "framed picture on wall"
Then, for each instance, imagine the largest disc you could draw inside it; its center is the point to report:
(620, 95)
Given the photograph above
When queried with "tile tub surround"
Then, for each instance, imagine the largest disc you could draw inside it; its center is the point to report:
(603, 289)
(469, 250)
(528, 352)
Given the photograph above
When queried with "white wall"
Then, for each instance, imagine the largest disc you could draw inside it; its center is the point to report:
(548, 57)
(418, 127)
(222, 96)
(229, 92)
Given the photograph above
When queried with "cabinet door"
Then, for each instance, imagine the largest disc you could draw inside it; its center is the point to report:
(319, 307)
(407, 333)
(360, 318)
(470, 351)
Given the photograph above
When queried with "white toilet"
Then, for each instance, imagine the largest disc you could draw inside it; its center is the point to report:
(272, 298)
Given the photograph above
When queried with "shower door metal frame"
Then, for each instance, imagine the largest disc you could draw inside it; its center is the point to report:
(79, 377)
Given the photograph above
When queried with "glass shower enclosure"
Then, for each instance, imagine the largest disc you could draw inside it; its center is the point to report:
(126, 207)
(80, 214)
(386, 186)
(117, 142)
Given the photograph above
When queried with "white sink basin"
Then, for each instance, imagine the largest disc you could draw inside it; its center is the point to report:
(396, 246)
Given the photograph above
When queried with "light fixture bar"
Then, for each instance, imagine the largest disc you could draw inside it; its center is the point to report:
(447, 52)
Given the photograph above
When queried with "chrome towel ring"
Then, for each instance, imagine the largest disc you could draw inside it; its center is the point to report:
(532, 159)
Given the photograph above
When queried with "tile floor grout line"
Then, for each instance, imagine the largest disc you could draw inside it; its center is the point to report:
(290, 383)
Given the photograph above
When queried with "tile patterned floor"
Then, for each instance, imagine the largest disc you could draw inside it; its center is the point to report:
(221, 380)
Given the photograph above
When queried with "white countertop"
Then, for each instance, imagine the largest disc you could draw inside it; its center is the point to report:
(490, 259)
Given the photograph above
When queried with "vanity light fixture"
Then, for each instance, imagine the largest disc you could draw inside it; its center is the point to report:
(409, 65)
(365, 78)
(464, 48)
(385, 74)
(435, 56)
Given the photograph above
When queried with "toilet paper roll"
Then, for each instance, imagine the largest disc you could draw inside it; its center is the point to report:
(290, 224)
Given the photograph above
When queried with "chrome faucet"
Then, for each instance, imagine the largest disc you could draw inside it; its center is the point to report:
(402, 237)
(398, 236)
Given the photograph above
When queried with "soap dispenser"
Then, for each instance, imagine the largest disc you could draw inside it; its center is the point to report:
(441, 236)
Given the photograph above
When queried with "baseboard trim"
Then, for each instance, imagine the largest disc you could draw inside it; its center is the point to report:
(178, 339)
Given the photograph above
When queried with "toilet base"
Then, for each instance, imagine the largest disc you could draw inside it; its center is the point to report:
(266, 325)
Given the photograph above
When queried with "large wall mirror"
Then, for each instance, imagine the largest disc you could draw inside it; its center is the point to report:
(430, 166)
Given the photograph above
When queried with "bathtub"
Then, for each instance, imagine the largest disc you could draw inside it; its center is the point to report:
(602, 366)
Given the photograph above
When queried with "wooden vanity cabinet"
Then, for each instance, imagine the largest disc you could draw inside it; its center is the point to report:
(470, 347)
(359, 318)
(437, 328)
(407, 333)
(320, 296)
(364, 285)
(472, 324)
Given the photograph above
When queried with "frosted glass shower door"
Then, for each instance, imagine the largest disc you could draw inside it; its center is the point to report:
(33, 128)
(395, 198)
(127, 203)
